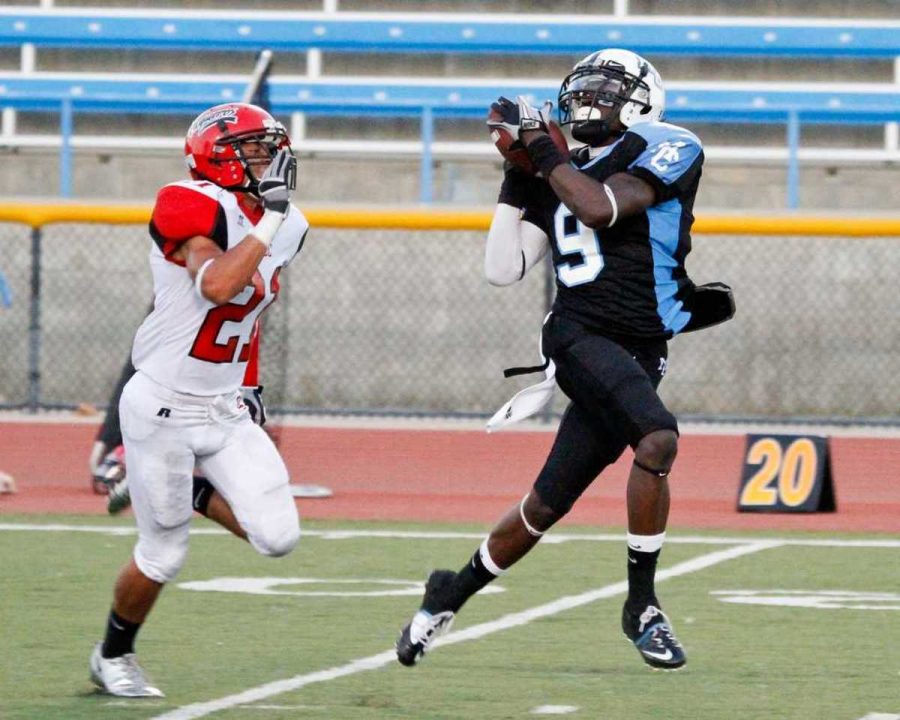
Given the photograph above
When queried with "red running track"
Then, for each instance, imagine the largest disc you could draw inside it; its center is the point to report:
(469, 476)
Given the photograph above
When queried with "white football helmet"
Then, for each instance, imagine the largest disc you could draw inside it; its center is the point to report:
(610, 78)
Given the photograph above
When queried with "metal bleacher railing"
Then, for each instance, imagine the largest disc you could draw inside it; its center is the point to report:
(789, 104)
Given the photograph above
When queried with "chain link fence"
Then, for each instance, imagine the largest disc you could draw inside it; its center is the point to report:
(402, 322)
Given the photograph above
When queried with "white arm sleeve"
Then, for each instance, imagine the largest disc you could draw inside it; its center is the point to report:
(513, 246)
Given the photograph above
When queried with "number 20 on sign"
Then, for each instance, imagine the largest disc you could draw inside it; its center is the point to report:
(786, 473)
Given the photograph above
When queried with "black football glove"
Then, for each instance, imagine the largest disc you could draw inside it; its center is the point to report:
(504, 115)
(709, 305)
(277, 182)
(252, 395)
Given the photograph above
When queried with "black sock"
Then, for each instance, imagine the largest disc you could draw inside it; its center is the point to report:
(119, 638)
(469, 580)
(203, 491)
(641, 573)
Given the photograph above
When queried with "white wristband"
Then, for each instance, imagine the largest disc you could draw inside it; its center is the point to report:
(612, 201)
(267, 227)
(198, 279)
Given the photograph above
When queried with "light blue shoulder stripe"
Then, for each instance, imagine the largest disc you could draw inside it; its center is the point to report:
(655, 132)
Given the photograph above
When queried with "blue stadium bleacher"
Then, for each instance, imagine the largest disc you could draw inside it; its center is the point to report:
(790, 104)
(447, 32)
(735, 102)
(756, 103)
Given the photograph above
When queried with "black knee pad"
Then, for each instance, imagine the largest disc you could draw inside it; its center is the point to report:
(585, 445)
(556, 497)
(560, 484)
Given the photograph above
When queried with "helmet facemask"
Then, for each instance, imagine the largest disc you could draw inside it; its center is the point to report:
(234, 149)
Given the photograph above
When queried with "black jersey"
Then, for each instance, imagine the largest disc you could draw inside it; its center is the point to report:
(628, 280)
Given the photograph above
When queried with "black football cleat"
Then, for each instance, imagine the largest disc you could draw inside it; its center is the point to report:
(426, 626)
(652, 635)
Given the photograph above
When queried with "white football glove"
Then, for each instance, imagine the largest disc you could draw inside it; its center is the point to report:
(532, 118)
(518, 116)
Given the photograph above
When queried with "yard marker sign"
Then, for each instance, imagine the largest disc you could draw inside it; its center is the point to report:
(787, 474)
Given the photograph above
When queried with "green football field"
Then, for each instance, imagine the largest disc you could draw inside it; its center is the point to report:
(787, 626)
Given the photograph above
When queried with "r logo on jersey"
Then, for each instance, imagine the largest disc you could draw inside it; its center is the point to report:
(663, 366)
(666, 155)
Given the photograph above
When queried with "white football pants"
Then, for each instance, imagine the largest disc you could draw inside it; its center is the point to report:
(165, 434)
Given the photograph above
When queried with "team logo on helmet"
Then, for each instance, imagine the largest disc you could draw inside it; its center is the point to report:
(213, 117)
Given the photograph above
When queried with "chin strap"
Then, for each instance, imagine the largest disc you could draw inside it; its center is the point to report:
(592, 132)
(197, 175)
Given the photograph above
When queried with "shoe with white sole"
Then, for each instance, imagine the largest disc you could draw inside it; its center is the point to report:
(121, 676)
(652, 635)
(425, 627)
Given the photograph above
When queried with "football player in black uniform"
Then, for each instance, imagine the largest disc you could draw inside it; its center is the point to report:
(616, 216)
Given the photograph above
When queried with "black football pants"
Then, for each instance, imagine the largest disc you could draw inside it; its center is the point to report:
(612, 386)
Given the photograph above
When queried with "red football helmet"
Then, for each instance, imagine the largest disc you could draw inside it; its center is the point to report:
(213, 146)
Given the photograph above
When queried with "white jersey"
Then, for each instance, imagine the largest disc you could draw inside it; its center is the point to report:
(188, 343)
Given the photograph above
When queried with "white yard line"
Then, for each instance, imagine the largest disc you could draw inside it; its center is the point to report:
(554, 709)
(373, 662)
(552, 538)
(279, 687)
(572, 601)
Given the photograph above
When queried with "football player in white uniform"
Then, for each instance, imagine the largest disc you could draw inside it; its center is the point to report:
(110, 470)
(220, 242)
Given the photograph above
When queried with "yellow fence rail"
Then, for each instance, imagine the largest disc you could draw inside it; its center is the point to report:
(39, 214)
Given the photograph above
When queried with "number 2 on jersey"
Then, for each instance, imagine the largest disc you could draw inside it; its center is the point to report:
(574, 237)
(207, 346)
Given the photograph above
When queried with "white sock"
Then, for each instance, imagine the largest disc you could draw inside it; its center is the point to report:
(646, 543)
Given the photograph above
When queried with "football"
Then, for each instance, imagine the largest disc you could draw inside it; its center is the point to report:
(513, 150)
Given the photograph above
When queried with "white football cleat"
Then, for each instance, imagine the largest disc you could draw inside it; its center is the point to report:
(419, 634)
(417, 637)
(121, 676)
